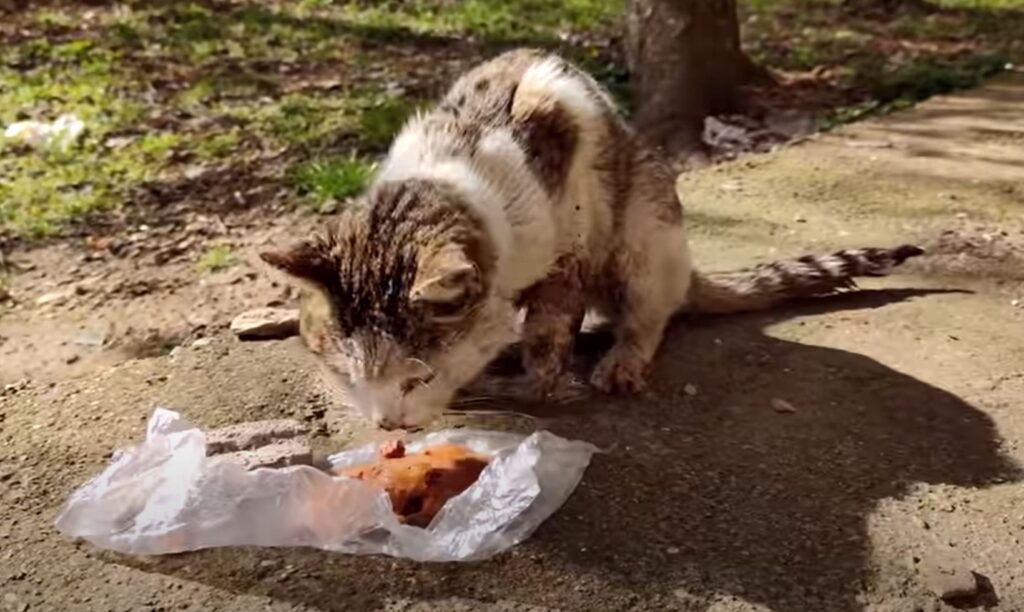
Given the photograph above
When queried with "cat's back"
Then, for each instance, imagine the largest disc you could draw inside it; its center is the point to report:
(484, 95)
(476, 107)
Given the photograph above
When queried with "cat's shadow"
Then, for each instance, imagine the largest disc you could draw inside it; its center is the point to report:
(709, 491)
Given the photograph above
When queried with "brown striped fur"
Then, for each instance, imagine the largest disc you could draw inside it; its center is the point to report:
(769, 284)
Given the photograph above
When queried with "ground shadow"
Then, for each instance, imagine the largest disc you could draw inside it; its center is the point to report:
(705, 494)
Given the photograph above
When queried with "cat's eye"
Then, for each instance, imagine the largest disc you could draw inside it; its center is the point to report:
(410, 384)
(448, 311)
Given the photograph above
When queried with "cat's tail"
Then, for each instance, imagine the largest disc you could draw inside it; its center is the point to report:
(766, 285)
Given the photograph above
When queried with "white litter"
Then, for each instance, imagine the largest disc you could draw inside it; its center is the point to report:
(60, 135)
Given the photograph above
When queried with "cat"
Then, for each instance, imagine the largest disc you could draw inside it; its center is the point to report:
(523, 191)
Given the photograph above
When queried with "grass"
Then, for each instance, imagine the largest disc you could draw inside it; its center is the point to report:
(915, 82)
(523, 21)
(215, 259)
(330, 180)
(850, 66)
(307, 94)
(382, 118)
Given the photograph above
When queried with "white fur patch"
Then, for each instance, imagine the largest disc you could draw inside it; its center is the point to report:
(584, 215)
(547, 83)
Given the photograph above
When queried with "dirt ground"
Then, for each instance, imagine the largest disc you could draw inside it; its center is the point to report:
(905, 444)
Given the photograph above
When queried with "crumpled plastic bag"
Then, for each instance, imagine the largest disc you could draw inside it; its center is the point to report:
(59, 135)
(166, 496)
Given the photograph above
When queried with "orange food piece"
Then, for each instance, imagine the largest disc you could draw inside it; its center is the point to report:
(419, 484)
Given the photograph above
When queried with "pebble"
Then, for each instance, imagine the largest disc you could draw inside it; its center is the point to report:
(254, 434)
(54, 297)
(947, 575)
(201, 342)
(782, 406)
(869, 144)
(266, 324)
(690, 389)
(90, 338)
(295, 451)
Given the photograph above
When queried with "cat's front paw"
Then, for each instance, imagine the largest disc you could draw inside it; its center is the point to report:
(622, 370)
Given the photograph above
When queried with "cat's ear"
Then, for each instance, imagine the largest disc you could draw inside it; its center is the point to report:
(447, 281)
(309, 261)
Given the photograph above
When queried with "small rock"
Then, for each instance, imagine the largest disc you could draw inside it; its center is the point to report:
(295, 451)
(672, 550)
(72, 359)
(948, 576)
(193, 172)
(782, 406)
(314, 413)
(55, 297)
(800, 219)
(266, 323)
(690, 389)
(118, 142)
(247, 436)
(14, 387)
(201, 342)
(91, 338)
(870, 144)
(689, 599)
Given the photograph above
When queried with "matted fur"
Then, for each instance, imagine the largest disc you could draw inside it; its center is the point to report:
(523, 189)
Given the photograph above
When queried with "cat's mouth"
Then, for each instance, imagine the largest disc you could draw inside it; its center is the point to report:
(403, 428)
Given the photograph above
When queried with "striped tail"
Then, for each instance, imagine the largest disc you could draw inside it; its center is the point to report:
(766, 285)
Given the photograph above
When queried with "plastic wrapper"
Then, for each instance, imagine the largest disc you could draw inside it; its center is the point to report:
(167, 496)
(59, 135)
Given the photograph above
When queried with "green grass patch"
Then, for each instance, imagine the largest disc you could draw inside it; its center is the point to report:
(215, 259)
(162, 80)
(40, 190)
(139, 63)
(300, 122)
(217, 146)
(916, 82)
(539, 21)
(926, 77)
(381, 119)
(327, 181)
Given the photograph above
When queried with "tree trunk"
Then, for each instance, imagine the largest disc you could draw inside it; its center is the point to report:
(685, 63)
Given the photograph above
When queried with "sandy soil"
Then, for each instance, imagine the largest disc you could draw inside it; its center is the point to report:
(907, 438)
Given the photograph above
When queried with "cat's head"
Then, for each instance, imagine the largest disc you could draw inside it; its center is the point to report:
(398, 302)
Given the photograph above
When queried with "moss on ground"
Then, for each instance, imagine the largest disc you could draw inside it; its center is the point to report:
(310, 92)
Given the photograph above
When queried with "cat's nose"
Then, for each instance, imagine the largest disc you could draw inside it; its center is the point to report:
(389, 424)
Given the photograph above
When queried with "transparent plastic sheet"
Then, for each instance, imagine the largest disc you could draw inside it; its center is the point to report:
(165, 496)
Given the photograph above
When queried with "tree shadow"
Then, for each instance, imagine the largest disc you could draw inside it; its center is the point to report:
(703, 494)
